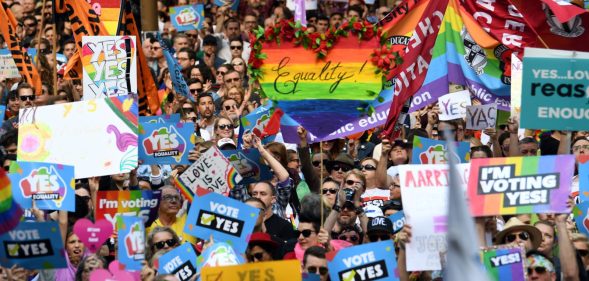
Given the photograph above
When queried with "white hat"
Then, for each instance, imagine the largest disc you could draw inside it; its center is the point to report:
(372, 211)
(225, 142)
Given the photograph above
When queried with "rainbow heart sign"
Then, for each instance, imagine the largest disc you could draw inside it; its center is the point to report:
(52, 186)
(110, 66)
(187, 17)
(520, 185)
(313, 75)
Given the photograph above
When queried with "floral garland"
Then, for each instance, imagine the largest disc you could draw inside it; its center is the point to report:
(287, 30)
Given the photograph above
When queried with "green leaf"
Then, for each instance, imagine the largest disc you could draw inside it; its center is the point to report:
(318, 41)
(262, 56)
(380, 99)
(371, 93)
(298, 25)
(371, 110)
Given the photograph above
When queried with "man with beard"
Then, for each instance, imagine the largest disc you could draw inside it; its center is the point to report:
(206, 110)
(170, 204)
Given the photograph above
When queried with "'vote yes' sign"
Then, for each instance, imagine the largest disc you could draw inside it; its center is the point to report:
(366, 262)
(179, 262)
(33, 245)
(228, 220)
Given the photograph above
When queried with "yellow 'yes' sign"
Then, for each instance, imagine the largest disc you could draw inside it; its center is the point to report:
(261, 271)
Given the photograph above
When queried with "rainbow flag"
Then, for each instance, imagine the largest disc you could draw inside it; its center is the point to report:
(10, 211)
(497, 269)
(520, 185)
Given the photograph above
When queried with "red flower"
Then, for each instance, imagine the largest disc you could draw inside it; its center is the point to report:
(254, 62)
(357, 26)
(369, 33)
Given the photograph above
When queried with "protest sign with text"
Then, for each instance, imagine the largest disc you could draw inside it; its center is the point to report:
(165, 143)
(219, 254)
(504, 263)
(520, 185)
(428, 151)
(52, 186)
(139, 203)
(187, 17)
(249, 165)
(228, 220)
(372, 261)
(398, 220)
(583, 168)
(8, 68)
(212, 171)
(480, 117)
(33, 245)
(453, 105)
(180, 262)
(98, 137)
(131, 241)
(110, 66)
(273, 270)
(427, 185)
(555, 92)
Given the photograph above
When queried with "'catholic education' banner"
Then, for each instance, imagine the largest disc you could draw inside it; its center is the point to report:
(520, 185)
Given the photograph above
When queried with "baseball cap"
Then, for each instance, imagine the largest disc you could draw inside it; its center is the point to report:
(380, 223)
(226, 144)
(372, 211)
(209, 40)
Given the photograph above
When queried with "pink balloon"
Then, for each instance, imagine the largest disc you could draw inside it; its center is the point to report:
(91, 234)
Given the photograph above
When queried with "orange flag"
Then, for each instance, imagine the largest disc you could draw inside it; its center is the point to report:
(85, 22)
(149, 101)
(21, 58)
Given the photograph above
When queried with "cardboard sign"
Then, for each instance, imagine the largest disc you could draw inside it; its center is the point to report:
(309, 4)
(110, 66)
(453, 105)
(188, 17)
(398, 220)
(228, 220)
(131, 242)
(555, 90)
(179, 262)
(93, 235)
(428, 151)
(504, 263)
(137, 203)
(219, 254)
(372, 261)
(115, 272)
(427, 185)
(33, 245)
(257, 121)
(516, 85)
(168, 118)
(274, 270)
(249, 165)
(520, 185)
(166, 143)
(234, 3)
(2, 112)
(8, 68)
(480, 117)
(52, 186)
(581, 214)
(97, 137)
(211, 171)
(583, 178)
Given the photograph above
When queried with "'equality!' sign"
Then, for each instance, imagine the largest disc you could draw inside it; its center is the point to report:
(228, 220)
(165, 143)
(520, 185)
(504, 263)
(110, 66)
(372, 261)
(50, 185)
(33, 245)
(555, 90)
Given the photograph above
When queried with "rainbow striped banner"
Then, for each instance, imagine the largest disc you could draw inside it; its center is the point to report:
(520, 185)
(137, 203)
(504, 263)
(109, 11)
(308, 88)
(10, 211)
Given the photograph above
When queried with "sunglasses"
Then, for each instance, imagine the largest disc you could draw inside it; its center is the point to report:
(522, 235)
(256, 256)
(583, 253)
(381, 237)
(306, 233)
(316, 163)
(171, 198)
(236, 47)
(314, 269)
(28, 97)
(156, 48)
(352, 238)
(196, 91)
(221, 73)
(225, 127)
(538, 269)
(238, 64)
(189, 109)
(579, 147)
(232, 80)
(191, 35)
(351, 182)
(170, 242)
(229, 107)
(30, 24)
(343, 168)
(368, 168)
(329, 190)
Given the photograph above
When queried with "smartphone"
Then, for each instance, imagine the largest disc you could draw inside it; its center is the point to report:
(349, 194)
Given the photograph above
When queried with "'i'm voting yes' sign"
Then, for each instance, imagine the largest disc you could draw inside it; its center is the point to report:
(33, 245)
(228, 220)
(366, 262)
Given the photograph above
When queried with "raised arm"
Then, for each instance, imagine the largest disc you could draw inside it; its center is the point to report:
(311, 177)
(382, 178)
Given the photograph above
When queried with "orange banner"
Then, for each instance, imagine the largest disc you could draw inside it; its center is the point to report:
(21, 58)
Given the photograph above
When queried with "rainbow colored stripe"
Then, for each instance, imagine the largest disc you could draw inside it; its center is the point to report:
(493, 204)
(10, 211)
(184, 189)
(125, 107)
(512, 271)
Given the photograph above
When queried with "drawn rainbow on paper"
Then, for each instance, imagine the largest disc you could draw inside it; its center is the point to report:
(492, 204)
(352, 55)
(513, 271)
(10, 211)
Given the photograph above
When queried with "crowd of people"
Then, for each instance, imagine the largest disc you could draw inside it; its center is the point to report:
(323, 196)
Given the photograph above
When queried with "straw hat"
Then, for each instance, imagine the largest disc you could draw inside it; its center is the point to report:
(514, 224)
